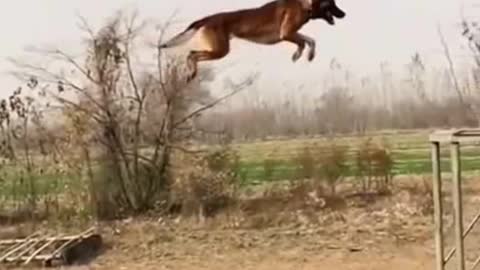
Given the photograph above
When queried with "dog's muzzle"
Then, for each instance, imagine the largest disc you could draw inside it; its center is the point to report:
(338, 13)
(329, 18)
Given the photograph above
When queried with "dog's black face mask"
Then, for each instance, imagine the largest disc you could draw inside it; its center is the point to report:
(326, 10)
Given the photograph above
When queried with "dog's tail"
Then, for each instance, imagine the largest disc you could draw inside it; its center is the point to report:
(184, 36)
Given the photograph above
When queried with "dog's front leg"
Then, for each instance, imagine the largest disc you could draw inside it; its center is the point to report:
(287, 34)
(295, 39)
(301, 40)
(311, 45)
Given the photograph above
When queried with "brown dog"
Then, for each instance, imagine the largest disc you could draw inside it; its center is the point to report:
(270, 23)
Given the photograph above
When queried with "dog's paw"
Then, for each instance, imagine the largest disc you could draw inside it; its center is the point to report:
(311, 55)
(190, 76)
(296, 55)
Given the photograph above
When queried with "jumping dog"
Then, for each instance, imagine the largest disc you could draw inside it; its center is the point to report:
(269, 24)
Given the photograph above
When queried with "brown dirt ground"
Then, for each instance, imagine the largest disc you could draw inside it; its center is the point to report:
(388, 233)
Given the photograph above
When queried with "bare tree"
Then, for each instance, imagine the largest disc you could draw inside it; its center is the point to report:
(128, 120)
(468, 107)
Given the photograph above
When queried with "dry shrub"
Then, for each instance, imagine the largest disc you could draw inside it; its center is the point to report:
(224, 158)
(305, 163)
(327, 164)
(269, 165)
(374, 166)
(205, 183)
(421, 194)
(332, 164)
(319, 168)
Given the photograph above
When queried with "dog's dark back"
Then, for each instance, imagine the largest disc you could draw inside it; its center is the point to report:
(260, 15)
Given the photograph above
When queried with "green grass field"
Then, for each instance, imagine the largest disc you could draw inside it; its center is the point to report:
(410, 152)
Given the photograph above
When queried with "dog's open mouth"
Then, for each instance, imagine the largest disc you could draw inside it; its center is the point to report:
(329, 18)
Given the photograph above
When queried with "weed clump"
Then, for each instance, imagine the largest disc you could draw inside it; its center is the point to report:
(374, 164)
(208, 184)
(332, 165)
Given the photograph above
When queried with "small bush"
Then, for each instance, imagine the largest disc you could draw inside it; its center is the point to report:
(374, 165)
(225, 160)
(269, 166)
(207, 183)
(332, 164)
(305, 164)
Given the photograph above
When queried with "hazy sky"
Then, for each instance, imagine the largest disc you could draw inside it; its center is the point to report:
(373, 31)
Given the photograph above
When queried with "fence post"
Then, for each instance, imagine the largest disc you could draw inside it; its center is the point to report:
(437, 203)
(457, 203)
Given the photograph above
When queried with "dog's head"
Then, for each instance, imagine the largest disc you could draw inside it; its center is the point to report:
(326, 10)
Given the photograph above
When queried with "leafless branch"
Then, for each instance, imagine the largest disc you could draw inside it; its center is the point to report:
(451, 67)
(83, 25)
(29, 71)
(238, 88)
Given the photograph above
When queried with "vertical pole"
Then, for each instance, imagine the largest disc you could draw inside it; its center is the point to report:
(457, 203)
(437, 203)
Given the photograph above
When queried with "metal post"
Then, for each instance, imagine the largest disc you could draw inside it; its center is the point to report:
(457, 203)
(437, 202)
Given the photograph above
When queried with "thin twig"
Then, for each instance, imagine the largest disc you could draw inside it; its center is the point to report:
(214, 103)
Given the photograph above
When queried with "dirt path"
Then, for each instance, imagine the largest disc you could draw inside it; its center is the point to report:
(412, 258)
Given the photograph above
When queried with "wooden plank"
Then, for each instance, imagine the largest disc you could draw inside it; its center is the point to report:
(38, 251)
(21, 247)
(25, 250)
(455, 136)
(17, 247)
(19, 241)
(85, 234)
(36, 258)
(64, 238)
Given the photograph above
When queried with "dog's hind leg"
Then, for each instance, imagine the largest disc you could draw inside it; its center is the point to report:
(311, 45)
(219, 47)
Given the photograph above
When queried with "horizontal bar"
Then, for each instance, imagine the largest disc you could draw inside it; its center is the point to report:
(60, 239)
(455, 136)
(37, 258)
(84, 234)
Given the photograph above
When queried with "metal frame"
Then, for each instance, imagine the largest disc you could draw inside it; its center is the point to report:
(454, 138)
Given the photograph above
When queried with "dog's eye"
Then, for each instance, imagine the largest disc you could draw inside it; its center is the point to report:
(324, 4)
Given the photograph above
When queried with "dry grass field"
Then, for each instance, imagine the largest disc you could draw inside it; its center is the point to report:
(358, 233)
